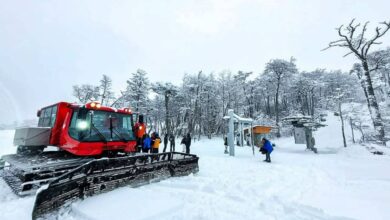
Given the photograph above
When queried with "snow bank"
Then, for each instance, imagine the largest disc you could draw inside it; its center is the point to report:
(6, 142)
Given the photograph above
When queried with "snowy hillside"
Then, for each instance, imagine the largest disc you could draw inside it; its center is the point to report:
(337, 183)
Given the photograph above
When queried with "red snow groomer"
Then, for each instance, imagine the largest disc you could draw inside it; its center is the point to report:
(90, 149)
(86, 130)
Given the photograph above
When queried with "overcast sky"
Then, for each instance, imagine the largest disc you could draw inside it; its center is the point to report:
(48, 46)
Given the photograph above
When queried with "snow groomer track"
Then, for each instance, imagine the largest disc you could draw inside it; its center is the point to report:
(102, 175)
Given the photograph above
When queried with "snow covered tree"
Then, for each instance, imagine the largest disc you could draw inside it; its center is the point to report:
(278, 72)
(210, 106)
(86, 93)
(359, 45)
(137, 91)
(106, 94)
(381, 76)
(168, 91)
(244, 90)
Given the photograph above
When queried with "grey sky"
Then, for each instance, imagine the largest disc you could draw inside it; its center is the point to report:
(48, 46)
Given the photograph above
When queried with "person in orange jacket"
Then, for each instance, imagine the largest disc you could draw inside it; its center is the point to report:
(156, 140)
(139, 131)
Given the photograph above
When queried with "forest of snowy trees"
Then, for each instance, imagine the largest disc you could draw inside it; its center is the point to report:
(198, 104)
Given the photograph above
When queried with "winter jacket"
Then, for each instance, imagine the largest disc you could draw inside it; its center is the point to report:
(172, 139)
(268, 146)
(166, 139)
(188, 140)
(156, 142)
(147, 143)
(139, 129)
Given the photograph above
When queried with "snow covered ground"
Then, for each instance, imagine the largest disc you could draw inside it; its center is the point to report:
(337, 183)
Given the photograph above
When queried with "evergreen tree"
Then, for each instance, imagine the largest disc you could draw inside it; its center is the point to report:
(137, 91)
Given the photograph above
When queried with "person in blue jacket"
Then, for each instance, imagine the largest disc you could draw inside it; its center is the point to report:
(147, 143)
(266, 149)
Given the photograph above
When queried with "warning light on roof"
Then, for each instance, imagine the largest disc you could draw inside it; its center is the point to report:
(94, 105)
(127, 110)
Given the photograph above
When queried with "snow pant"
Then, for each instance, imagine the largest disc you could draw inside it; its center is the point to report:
(268, 157)
(172, 146)
(139, 145)
(187, 149)
(155, 151)
(144, 151)
(165, 147)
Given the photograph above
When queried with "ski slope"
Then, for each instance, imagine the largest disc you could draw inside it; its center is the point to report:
(337, 183)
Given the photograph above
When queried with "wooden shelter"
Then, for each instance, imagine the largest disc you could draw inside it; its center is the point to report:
(259, 131)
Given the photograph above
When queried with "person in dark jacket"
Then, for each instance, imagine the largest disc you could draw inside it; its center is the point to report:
(266, 149)
(225, 142)
(183, 142)
(172, 141)
(188, 143)
(165, 142)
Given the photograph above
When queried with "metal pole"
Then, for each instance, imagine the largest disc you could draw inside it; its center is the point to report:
(252, 140)
(231, 132)
(241, 136)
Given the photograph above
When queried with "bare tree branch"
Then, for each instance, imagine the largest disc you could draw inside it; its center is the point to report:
(348, 54)
(351, 28)
(362, 35)
(378, 35)
(358, 44)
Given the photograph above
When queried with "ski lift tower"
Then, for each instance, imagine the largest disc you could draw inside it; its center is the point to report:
(235, 118)
(303, 130)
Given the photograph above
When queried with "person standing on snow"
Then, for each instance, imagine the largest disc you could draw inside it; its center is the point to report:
(188, 143)
(225, 142)
(165, 142)
(266, 149)
(156, 140)
(183, 141)
(172, 141)
(139, 131)
(147, 143)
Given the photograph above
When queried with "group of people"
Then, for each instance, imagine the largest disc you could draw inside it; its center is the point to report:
(146, 143)
(185, 141)
(151, 144)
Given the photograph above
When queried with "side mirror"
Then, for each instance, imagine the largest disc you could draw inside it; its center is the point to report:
(39, 113)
